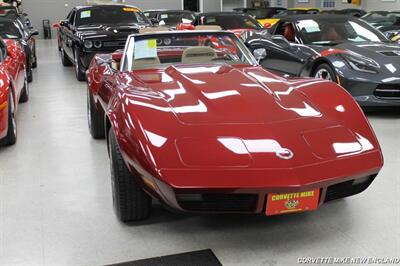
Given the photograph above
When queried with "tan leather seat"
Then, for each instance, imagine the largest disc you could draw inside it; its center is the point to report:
(208, 27)
(153, 29)
(197, 55)
(145, 63)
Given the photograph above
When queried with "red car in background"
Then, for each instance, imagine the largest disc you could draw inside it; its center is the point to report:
(13, 88)
(207, 129)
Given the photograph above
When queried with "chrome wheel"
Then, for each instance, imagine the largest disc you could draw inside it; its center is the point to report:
(323, 74)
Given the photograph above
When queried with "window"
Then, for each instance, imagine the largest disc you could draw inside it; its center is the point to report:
(328, 3)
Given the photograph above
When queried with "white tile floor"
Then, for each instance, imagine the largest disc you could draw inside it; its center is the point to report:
(55, 198)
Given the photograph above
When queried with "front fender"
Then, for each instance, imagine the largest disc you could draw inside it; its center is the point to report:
(336, 103)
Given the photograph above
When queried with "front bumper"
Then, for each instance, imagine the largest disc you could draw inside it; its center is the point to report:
(253, 201)
(369, 93)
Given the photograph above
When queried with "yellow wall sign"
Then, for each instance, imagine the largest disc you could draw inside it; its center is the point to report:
(130, 9)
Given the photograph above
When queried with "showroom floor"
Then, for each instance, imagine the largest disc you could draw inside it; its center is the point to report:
(56, 207)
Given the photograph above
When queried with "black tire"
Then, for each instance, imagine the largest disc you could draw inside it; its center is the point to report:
(34, 62)
(29, 73)
(95, 118)
(64, 58)
(327, 70)
(131, 203)
(25, 91)
(11, 137)
(79, 70)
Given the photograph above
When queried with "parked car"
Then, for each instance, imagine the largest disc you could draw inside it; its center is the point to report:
(14, 29)
(292, 11)
(92, 29)
(263, 15)
(171, 18)
(233, 138)
(386, 22)
(342, 49)
(13, 88)
(232, 21)
(13, 12)
(354, 12)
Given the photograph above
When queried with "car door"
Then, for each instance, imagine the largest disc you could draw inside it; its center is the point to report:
(288, 59)
(67, 34)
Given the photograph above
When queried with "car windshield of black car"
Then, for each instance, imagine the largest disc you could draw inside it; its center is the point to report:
(107, 15)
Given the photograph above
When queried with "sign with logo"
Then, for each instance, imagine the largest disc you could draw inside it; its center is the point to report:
(292, 202)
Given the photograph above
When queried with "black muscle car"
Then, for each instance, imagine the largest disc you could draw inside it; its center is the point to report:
(343, 49)
(13, 28)
(96, 29)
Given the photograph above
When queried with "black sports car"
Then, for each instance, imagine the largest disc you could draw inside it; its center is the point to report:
(170, 18)
(261, 13)
(354, 12)
(343, 49)
(15, 29)
(13, 12)
(386, 22)
(96, 29)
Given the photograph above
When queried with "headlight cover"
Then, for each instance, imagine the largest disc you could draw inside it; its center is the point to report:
(88, 44)
(362, 63)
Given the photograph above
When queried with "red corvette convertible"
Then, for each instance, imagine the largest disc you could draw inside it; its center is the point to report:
(209, 130)
(13, 88)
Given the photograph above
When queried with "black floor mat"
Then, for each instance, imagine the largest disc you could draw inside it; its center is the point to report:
(196, 258)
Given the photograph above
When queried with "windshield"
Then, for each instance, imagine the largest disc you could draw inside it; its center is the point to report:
(331, 31)
(175, 18)
(231, 22)
(297, 12)
(163, 50)
(382, 18)
(107, 15)
(9, 31)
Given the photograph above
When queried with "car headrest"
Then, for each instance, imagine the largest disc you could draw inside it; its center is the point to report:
(195, 55)
(145, 62)
(153, 29)
(208, 27)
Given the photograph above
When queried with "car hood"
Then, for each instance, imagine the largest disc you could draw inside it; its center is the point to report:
(214, 94)
(386, 55)
(108, 31)
(217, 115)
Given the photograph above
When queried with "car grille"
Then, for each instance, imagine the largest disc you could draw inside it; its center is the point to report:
(388, 91)
(218, 202)
(348, 188)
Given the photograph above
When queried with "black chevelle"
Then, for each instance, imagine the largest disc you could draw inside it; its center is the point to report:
(96, 29)
(339, 48)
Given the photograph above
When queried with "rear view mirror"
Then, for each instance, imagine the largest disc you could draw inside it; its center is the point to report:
(260, 54)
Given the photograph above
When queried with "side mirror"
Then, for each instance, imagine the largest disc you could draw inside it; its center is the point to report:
(116, 60)
(267, 25)
(260, 54)
(281, 41)
(34, 33)
(64, 23)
